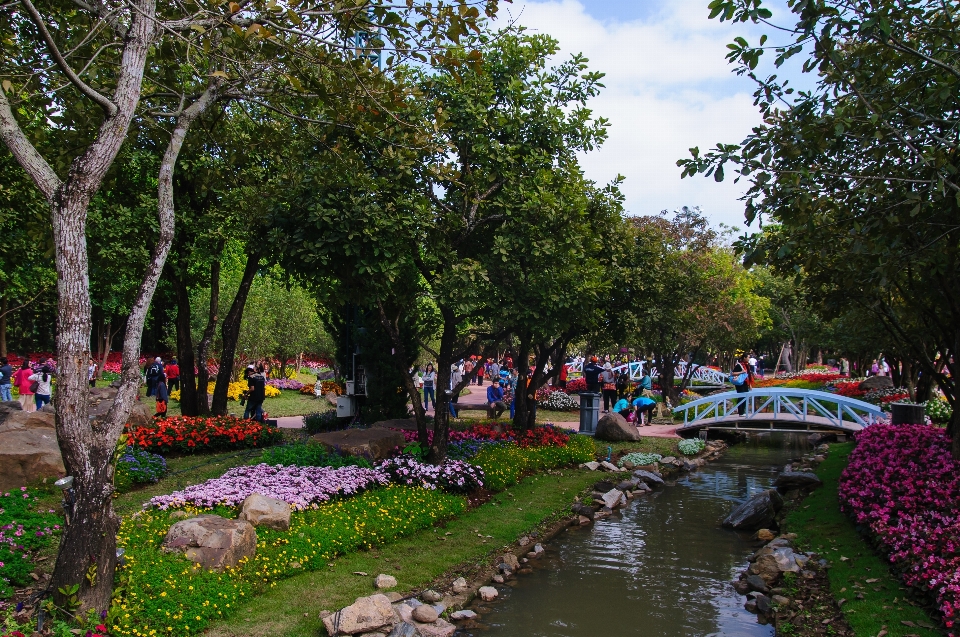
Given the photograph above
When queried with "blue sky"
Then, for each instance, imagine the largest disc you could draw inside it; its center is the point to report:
(669, 88)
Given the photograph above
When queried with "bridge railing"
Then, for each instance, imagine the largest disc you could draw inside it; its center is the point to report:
(700, 373)
(780, 404)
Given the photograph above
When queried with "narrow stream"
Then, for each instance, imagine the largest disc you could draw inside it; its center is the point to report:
(661, 567)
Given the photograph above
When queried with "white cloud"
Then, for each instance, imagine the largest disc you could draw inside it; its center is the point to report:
(668, 88)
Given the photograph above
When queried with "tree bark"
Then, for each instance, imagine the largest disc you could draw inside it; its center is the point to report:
(188, 384)
(3, 327)
(230, 334)
(392, 326)
(206, 341)
(520, 401)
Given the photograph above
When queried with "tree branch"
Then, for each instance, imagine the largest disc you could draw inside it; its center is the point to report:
(25, 153)
(109, 107)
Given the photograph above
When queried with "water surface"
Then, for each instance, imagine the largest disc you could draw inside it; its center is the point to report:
(661, 568)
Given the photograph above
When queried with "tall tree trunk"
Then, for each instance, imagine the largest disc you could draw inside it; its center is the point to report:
(206, 341)
(3, 327)
(230, 334)
(392, 327)
(521, 404)
(185, 357)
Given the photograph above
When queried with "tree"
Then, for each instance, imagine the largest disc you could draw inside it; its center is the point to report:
(860, 172)
(236, 51)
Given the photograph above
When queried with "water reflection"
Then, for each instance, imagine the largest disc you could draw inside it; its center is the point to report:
(662, 567)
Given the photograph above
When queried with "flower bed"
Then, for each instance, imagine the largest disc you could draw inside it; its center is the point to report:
(455, 476)
(560, 401)
(576, 385)
(300, 487)
(136, 466)
(24, 529)
(287, 383)
(187, 434)
(904, 487)
(493, 431)
(504, 464)
(164, 594)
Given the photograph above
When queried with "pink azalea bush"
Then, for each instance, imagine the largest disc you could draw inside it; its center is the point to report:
(455, 476)
(300, 487)
(904, 486)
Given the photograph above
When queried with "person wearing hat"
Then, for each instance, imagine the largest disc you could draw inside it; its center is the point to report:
(591, 374)
(608, 382)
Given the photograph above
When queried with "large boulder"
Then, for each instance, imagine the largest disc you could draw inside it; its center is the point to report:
(259, 510)
(8, 407)
(648, 477)
(615, 428)
(212, 541)
(28, 448)
(796, 480)
(374, 443)
(756, 513)
(366, 614)
(408, 614)
(876, 382)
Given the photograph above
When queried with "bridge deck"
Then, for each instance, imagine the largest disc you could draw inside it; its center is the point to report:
(765, 421)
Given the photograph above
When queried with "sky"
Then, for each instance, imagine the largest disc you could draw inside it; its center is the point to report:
(668, 89)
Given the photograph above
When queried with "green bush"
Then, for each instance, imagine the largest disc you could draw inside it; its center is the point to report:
(163, 592)
(311, 454)
(504, 464)
(24, 529)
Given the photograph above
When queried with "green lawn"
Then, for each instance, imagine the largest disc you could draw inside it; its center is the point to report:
(875, 599)
(292, 608)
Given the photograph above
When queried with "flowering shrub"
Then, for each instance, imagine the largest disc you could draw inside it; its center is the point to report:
(560, 401)
(287, 383)
(269, 391)
(307, 390)
(188, 434)
(691, 447)
(300, 487)
(455, 476)
(545, 391)
(492, 431)
(938, 409)
(321, 421)
(137, 466)
(164, 594)
(641, 459)
(24, 529)
(576, 385)
(850, 389)
(903, 485)
(328, 386)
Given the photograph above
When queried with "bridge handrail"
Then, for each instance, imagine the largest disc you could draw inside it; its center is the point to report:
(844, 403)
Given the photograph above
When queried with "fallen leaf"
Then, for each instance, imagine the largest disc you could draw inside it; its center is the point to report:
(908, 623)
(882, 633)
(872, 580)
(926, 625)
(827, 621)
(361, 573)
(844, 559)
(842, 602)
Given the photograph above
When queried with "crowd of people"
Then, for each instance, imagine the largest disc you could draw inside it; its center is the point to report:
(34, 383)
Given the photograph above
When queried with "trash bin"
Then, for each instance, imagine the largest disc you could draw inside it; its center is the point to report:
(907, 414)
(589, 412)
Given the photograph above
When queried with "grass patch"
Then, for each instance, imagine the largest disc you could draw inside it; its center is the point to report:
(663, 446)
(288, 403)
(292, 607)
(821, 527)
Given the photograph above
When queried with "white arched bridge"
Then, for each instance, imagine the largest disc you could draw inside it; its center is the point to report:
(700, 373)
(777, 409)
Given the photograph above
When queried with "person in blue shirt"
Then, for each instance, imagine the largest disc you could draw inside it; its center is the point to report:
(495, 404)
(645, 381)
(621, 407)
(644, 405)
(741, 379)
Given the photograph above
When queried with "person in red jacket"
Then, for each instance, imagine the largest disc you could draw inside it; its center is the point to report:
(172, 371)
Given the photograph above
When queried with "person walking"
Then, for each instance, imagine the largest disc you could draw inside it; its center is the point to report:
(162, 396)
(248, 371)
(257, 386)
(153, 375)
(591, 374)
(480, 369)
(741, 379)
(845, 367)
(455, 378)
(623, 382)
(429, 387)
(495, 403)
(608, 382)
(21, 378)
(172, 372)
(44, 381)
(493, 371)
(6, 377)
